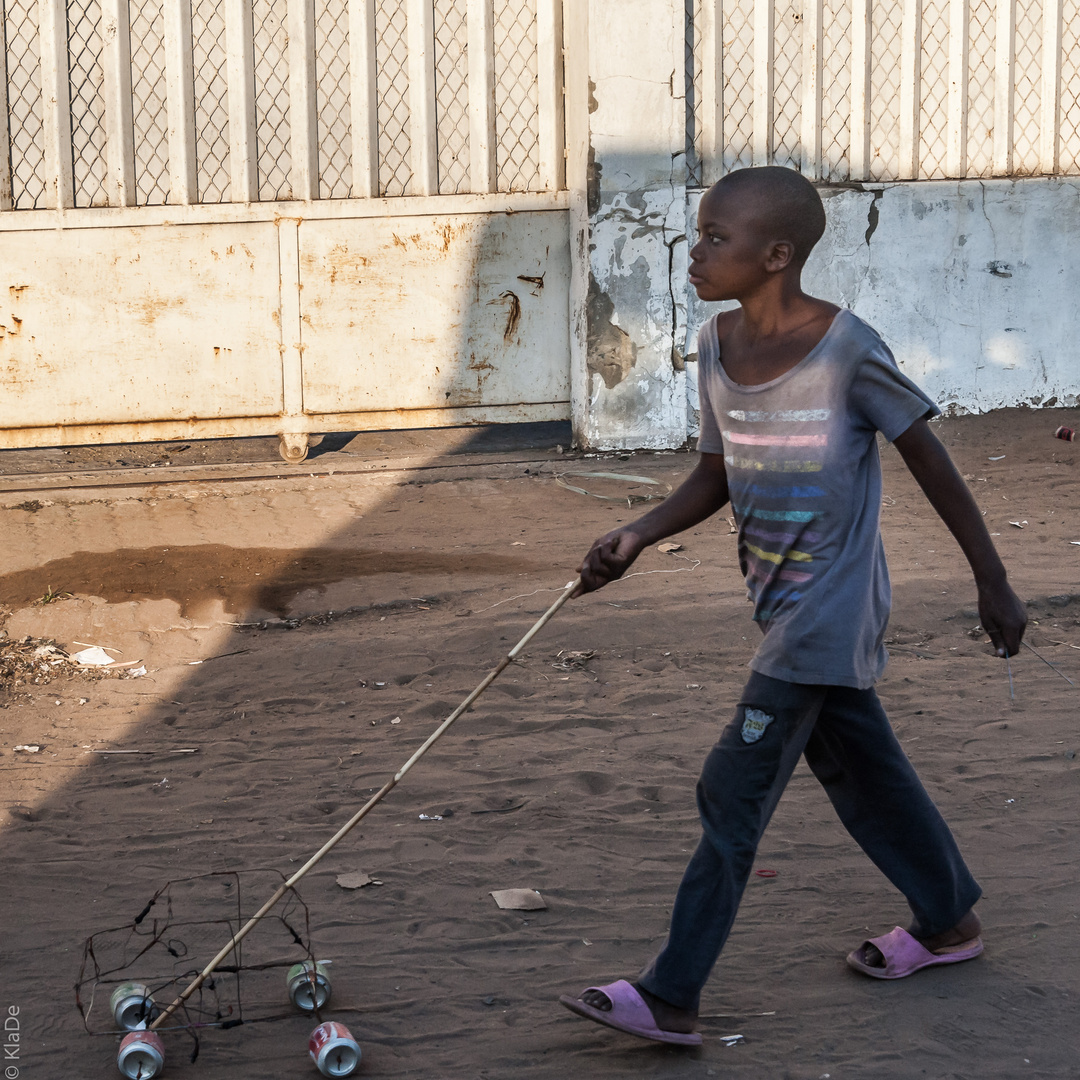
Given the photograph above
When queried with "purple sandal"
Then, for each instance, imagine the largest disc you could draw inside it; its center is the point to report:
(628, 1014)
(904, 955)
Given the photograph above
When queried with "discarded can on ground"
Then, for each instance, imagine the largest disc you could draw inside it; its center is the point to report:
(309, 985)
(334, 1050)
(1066, 433)
(132, 1006)
(142, 1055)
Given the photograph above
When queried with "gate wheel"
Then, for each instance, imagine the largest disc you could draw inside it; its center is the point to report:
(293, 448)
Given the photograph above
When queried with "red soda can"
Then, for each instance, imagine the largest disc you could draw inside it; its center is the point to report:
(142, 1055)
(334, 1050)
(1066, 433)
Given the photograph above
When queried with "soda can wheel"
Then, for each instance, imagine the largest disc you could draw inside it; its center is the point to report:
(309, 985)
(132, 1006)
(142, 1055)
(334, 1050)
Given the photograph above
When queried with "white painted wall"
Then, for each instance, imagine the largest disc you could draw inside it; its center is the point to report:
(972, 283)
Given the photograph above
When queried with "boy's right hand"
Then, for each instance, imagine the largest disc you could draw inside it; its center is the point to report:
(609, 558)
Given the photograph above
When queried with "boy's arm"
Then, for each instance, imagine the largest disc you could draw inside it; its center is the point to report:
(699, 496)
(1002, 614)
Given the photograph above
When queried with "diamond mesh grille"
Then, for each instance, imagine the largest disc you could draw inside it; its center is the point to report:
(392, 77)
(1027, 88)
(1070, 88)
(332, 99)
(272, 127)
(787, 84)
(934, 90)
(87, 102)
(980, 118)
(738, 39)
(211, 100)
(884, 104)
(452, 95)
(150, 115)
(693, 83)
(885, 91)
(836, 89)
(24, 104)
(517, 102)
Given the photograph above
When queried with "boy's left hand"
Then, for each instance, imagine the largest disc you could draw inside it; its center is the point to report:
(1003, 616)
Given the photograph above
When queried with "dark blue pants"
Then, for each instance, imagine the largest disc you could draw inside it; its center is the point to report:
(853, 752)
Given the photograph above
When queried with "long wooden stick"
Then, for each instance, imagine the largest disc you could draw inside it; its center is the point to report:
(367, 807)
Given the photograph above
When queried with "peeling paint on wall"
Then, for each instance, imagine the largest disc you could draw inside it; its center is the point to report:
(611, 351)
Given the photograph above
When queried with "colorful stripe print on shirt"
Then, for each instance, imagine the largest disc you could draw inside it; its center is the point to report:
(779, 516)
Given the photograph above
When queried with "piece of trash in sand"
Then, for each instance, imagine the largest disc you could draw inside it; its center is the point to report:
(560, 479)
(1075, 543)
(585, 941)
(431, 817)
(731, 1040)
(138, 672)
(396, 720)
(519, 900)
(179, 750)
(355, 879)
(162, 784)
(668, 548)
(568, 659)
(51, 653)
(27, 748)
(1019, 524)
(221, 656)
(518, 543)
(693, 686)
(1000, 457)
(95, 656)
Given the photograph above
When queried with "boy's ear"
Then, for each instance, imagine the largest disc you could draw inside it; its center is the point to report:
(780, 256)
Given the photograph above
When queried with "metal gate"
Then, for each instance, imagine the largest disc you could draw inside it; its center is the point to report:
(224, 217)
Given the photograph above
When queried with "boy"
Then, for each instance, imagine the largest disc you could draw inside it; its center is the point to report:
(793, 392)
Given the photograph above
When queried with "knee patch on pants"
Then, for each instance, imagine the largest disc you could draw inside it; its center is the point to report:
(755, 722)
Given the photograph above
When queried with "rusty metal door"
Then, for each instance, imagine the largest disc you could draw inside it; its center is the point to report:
(225, 217)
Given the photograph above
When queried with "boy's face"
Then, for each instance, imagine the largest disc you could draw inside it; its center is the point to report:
(731, 256)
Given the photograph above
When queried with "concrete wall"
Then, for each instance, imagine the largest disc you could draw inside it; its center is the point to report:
(636, 385)
(972, 283)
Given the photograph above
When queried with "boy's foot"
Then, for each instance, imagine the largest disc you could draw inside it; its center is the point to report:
(903, 952)
(630, 1008)
(668, 1017)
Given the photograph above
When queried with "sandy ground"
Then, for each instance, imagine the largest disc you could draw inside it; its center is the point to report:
(340, 609)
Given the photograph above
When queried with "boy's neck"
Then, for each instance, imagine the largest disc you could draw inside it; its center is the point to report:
(776, 308)
(773, 330)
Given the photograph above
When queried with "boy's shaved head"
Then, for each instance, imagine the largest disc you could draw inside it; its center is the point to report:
(785, 205)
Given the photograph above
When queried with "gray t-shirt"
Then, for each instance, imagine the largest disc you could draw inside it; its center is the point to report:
(805, 484)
